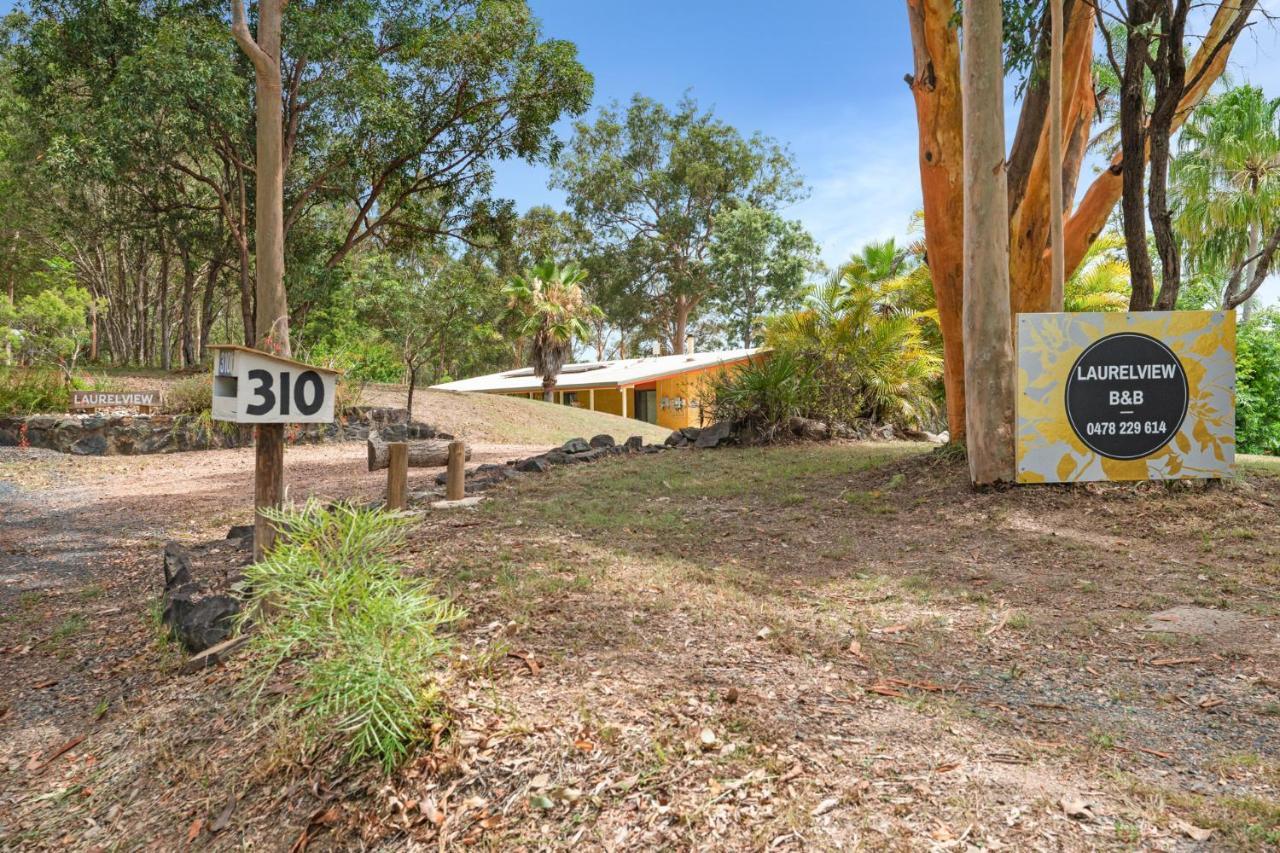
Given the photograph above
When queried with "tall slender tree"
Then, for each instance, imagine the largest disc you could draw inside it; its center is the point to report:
(988, 369)
(273, 305)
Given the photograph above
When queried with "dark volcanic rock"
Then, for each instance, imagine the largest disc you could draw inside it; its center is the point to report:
(575, 445)
(716, 435)
(602, 440)
(676, 439)
(240, 531)
(196, 619)
(634, 443)
(534, 464)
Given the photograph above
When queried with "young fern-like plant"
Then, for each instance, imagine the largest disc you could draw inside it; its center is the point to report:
(330, 602)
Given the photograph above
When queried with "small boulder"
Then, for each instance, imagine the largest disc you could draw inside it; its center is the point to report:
(556, 457)
(195, 620)
(240, 531)
(575, 445)
(634, 443)
(602, 440)
(808, 428)
(533, 465)
(691, 433)
(716, 435)
(676, 439)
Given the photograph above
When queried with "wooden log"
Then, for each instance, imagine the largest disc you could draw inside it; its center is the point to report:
(455, 484)
(429, 453)
(397, 474)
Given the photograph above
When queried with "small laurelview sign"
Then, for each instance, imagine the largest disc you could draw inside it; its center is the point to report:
(1137, 396)
(115, 399)
(254, 387)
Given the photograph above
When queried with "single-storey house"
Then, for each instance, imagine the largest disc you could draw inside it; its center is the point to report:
(665, 389)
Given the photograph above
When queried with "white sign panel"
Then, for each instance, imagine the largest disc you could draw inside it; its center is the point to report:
(251, 387)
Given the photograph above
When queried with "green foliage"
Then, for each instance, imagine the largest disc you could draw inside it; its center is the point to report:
(869, 356)
(1258, 384)
(1226, 178)
(764, 394)
(51, 325)
(190, 396)
(1101, 282)
(652, 181)
(26, 391)
(331, 602)
(761, 262)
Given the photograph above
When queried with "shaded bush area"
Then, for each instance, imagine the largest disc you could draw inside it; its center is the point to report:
(359, 636)
(1258, 384)
(26, 391)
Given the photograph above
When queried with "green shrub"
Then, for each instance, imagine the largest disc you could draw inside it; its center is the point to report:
(1258, 384)
(190, 396)
(31, 391)
(362, 634)
(868, 354)
(763, 394)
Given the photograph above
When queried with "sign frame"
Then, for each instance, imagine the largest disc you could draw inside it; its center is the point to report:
(1155, 389)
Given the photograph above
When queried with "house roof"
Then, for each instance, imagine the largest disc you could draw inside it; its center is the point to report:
(601, 374)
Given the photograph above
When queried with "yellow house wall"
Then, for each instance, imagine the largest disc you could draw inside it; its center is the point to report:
(689, 387)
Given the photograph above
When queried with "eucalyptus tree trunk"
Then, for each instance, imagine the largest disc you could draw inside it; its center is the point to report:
(988, 348)
(272, 316)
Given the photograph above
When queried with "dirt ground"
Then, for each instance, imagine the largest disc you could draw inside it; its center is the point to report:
(810, 647)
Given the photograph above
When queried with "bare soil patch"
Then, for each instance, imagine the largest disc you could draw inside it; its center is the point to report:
(808, 647)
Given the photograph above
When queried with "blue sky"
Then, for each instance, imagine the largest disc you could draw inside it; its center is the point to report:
(824, 77)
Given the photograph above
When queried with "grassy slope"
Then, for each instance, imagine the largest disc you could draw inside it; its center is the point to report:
(510, 420)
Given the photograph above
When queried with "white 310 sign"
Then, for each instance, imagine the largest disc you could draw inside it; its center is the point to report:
(253, 387)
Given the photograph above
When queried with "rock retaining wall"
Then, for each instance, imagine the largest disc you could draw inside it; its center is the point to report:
(132, 434)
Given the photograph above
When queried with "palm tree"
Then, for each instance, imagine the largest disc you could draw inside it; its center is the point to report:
(553, 310)
(867, 352)
(877, 261)
(1226, 181)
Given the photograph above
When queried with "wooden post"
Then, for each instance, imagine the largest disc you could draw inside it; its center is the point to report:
(397, 474)
(624, 401)
(268, 483)
(591, 399)
(455, 488)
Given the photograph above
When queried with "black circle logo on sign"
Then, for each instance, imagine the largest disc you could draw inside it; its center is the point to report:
(1126, 396)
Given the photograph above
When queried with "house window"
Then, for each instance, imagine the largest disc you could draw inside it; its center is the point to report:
(569, 398)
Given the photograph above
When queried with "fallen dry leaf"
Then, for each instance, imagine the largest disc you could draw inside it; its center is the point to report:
(825, 806)
(1195, 833)
(1077, 808)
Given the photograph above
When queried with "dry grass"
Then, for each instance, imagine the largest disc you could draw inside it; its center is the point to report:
(807, 647)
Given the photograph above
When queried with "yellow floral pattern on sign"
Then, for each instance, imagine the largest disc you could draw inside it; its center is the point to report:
(1049, 451)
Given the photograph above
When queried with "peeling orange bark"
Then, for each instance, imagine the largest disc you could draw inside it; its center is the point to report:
(935, 85)
(1029, 217)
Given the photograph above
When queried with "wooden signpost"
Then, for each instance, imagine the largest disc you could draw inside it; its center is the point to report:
(255, 387)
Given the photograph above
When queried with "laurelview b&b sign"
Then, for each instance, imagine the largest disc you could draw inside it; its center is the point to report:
(1137, 396)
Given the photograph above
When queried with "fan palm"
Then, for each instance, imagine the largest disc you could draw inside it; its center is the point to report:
(1226, 178)
(553, 313)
